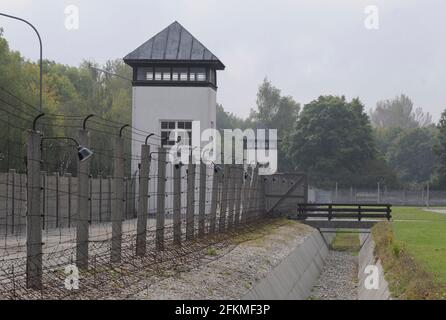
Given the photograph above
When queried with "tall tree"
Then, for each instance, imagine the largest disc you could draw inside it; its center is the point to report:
(332, 140)
(399, 113)
(440, 151)
(228, 120)
(411, 155)
(275, 111)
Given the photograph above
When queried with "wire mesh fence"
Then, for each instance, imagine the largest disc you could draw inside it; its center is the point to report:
(397, 197)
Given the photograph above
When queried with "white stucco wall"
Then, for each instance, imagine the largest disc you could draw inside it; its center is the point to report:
(151, 105)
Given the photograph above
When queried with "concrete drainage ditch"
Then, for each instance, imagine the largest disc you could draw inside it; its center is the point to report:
(313, 271)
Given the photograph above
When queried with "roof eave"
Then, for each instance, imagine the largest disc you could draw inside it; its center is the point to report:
(217, 64)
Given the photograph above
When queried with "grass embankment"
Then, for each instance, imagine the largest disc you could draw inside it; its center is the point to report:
(413, 251)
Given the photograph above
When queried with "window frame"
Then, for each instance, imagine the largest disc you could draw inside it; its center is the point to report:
(169, 128)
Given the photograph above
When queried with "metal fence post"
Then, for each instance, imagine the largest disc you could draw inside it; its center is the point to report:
(33, 217)
(177, 204)
(82, 207)
(190, 223)
(202, 203)
(161, 196)
(141, 224)
(118, 201)
(379, 194)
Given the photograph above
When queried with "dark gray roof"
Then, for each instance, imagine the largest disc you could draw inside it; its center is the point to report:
(173, 44)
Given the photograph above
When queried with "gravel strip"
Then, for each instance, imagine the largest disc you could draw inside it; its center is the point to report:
(338, 280)
(234, 270)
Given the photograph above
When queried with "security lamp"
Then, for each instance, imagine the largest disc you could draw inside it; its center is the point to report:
(82, 152)
(217, 168)
(179, 165)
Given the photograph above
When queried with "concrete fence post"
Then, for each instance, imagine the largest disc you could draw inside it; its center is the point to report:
(69, 187)
(141, 224)
(238, 193)
(246, 190)
(231, 195)
(82, 206)
(118, 201)
(90, 197)
(44, 177)
(190, 223)
(202, 203)
(262, 202)
(216, 177)
(177, 204)
(160, 202)
(100, 198)
(109, 199)
(33, 216)
(57, 180)
(11, 181)
(254, 194)
(224, 198)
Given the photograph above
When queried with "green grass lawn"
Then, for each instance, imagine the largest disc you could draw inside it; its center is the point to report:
(423, 235)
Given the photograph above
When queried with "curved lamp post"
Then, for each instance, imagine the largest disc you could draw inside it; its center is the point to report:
(40, 43)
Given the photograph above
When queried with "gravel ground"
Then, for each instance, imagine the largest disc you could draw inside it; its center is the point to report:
(338, 280)
(235, 269)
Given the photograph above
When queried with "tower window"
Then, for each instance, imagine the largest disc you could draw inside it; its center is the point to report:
(179, 74)
(197, 74)
(162, 73)
(183, 74)
(185, 135)
(145, 73)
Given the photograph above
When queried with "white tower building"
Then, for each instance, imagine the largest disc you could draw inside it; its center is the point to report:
(174, 83)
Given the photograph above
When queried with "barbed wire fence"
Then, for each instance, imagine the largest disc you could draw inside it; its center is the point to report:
(118, 228)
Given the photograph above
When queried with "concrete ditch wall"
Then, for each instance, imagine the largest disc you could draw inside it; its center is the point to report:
(367, 257)
(296, 275)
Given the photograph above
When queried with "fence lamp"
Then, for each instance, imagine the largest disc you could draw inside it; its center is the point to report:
(83, 153)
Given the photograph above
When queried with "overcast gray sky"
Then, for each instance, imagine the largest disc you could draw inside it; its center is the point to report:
(305, 47)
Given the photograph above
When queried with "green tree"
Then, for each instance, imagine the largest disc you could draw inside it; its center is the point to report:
(440, 151)
(275, 111)
(399, 113)
(228, 120)
(411, 155)
(332, 140)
